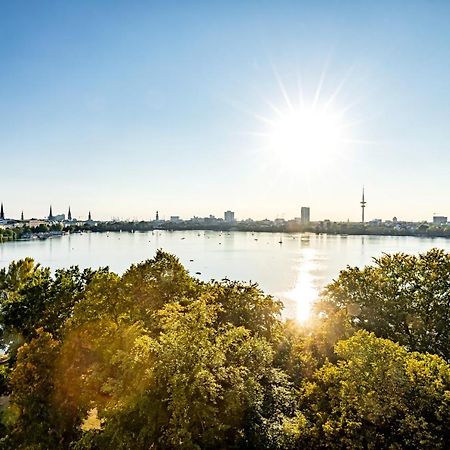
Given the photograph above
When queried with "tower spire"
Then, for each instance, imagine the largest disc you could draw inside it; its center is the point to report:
(50, 214)
(21, 217)
(2, 213)
(69, 215)
(89, 216)
(363, 205)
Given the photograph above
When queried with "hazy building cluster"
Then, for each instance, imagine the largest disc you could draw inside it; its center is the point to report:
(52, 218)
(229, 222)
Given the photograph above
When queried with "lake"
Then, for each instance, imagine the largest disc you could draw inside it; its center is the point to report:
(294, 270)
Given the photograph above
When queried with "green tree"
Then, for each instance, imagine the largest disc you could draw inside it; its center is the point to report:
(404, 298)
(191, 386)
(157, 359)
(31, 297)
(41, 423)
(378, 395)
(164, 364)
(246, 305)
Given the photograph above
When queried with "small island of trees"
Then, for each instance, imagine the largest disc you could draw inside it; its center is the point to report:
(157, 359)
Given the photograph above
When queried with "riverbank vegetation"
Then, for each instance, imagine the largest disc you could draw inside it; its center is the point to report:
(25, 232)
(43, 231)
(158, 359)
(420, 229)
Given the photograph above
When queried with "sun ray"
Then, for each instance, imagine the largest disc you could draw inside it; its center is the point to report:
(275, 109)
(283, 91)
(320, 85)
(300, 96)
(338, 89)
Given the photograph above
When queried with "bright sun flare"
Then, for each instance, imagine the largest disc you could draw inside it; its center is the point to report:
(307, 137)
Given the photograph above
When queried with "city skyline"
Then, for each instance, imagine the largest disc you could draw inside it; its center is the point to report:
(165, 214)
(228, 215)
(148, 106)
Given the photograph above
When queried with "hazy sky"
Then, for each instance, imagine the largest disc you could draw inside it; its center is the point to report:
(128, 107)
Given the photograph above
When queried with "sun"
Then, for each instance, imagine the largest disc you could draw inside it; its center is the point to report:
(307, 137)
(306, 134)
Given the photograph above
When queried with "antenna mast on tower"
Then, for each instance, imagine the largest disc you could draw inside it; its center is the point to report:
(363, 205)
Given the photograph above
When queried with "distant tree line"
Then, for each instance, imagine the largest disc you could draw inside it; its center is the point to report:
(158, 359)
(292, 226)
(12, 234)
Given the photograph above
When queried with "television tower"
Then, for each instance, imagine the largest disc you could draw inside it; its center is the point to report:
(363, 205)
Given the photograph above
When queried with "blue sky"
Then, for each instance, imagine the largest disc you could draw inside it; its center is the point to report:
(125, 108)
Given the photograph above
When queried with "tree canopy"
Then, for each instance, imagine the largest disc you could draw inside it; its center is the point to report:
(405, 298)
(155, 358)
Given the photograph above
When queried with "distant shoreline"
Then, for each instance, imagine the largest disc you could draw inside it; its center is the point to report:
(405, 229)
(45, 236)
(342, 230)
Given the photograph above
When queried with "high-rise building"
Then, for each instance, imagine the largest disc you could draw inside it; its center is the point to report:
(305, 215)
(228, 216)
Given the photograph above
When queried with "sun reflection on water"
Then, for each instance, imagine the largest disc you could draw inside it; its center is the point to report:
(305, 291)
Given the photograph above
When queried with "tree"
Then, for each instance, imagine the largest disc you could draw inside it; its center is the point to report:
(169, 361)
(31, 297)
(246, 305)
(157, 359)
(404, 298)
(41, 423)
(378, 395)
(191, 386)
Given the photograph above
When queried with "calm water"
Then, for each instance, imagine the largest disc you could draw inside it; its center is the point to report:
(294, 270)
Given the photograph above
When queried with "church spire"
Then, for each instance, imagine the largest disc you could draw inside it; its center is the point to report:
(21, 217)
(2, 213)
(89, 216)
(50, 215)
(69, 215)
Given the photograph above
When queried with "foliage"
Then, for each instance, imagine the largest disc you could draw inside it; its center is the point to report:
(404, 298)
(40, 423)
(30, 297)
(154, 352)
(155, 358)
(378, 395)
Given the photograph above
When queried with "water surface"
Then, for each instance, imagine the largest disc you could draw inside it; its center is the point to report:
(293, 270)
